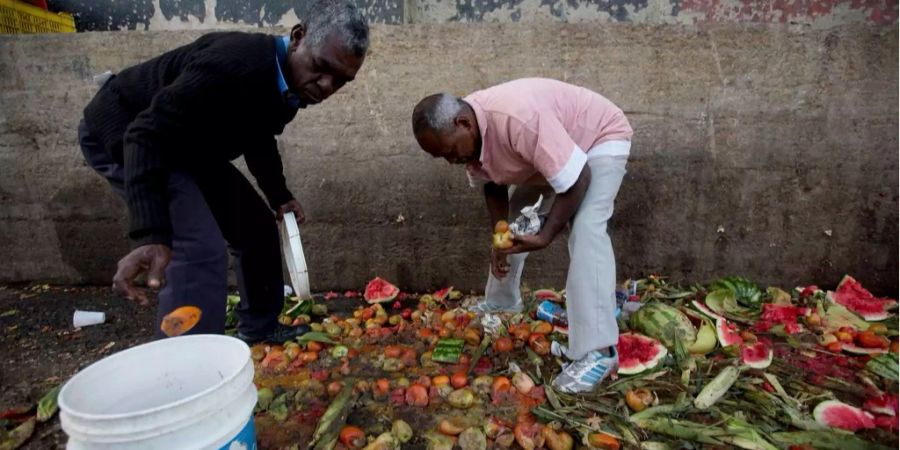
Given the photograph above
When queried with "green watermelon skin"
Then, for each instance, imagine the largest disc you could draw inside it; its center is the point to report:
(664, 323)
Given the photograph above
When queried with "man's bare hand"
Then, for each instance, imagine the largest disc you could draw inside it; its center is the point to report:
(499, 264)
(150, 259)
(293, 206)
(527, 243)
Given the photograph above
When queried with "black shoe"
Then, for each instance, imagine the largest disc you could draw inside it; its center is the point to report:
(279, 335)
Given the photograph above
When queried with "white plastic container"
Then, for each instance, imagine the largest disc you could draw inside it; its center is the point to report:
(187, 392)
(293, 255)
(87, 318)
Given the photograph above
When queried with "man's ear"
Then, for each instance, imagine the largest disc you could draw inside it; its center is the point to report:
(462, 121)
(297, 34)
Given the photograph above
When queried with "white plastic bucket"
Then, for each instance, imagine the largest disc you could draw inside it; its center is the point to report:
(187, 392)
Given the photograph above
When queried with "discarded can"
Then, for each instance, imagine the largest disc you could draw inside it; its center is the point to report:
(552, 313)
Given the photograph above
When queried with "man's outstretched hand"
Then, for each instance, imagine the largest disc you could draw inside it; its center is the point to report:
(293, 206)
(527, 243)
(152, 259)
(499, 264)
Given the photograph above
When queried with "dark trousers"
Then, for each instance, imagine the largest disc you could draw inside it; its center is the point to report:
(209, 207)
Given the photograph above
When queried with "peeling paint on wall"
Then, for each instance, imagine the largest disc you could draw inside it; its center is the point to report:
(98, 15)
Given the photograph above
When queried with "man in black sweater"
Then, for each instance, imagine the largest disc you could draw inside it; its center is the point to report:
(163, 134)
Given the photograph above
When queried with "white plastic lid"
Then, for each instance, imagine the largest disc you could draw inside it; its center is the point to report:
(293, 254)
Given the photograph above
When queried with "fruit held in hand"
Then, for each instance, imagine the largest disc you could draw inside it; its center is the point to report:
(502, 236)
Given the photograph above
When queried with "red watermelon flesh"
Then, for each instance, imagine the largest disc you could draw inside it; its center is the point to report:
(380, 291)
(786, 315)
(548, 294)
(856, 298)
(727, 333)
(442, 294)
(638, 353)
(885, 404)
(835, 414)
(757, 356)
(890, 423)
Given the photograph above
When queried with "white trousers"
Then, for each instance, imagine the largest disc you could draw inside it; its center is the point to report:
(591, 280)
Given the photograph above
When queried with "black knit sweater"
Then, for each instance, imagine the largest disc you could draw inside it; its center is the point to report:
(192, 108)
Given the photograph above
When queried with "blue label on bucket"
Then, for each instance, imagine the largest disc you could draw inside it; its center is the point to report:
(244, 440)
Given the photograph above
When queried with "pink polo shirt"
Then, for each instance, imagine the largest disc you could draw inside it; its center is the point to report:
(538, 131)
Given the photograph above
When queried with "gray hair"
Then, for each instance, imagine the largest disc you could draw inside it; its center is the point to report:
(342, 17)
(436, 113)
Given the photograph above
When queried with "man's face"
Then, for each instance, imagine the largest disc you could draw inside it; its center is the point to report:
(459, 145)
(317, 72)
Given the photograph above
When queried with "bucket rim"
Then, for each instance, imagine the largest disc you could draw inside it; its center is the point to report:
(67, 409)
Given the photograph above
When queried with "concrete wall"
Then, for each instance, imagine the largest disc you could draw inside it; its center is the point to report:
(101, 15)
(763, 152)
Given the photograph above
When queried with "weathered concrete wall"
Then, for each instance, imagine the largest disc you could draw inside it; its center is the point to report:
(103, 15)
(769, 153)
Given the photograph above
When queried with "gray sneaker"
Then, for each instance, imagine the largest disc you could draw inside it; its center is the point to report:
(486, 307)
(586, 373)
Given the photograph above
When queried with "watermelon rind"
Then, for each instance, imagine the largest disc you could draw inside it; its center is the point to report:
(379, 296)
(727, 336)
(879, 405)
(857, 350)
(699, 306)
(548, 294)
(664, 323)
(706, 339)
(641, 366)
(747, 358)
(826, 413)
(871, 316)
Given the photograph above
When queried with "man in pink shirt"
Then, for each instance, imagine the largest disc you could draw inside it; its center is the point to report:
(539, 137)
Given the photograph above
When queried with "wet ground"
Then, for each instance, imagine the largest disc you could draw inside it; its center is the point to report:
(39, 348)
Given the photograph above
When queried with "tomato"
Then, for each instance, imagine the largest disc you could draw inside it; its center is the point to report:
(835, 347)
(844, 336)
(417, 395)
(520, 331)
(539, 344)
(352, 437)
(869, 339)
(334, 388)
(503, 345)
(381, 388)
(541, 327)
(459, 379)
(393, 351)
(314, 346)
(471, 336)
(501, 384)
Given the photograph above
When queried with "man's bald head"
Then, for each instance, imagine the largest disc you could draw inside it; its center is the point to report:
(436, 113)
(445, 127)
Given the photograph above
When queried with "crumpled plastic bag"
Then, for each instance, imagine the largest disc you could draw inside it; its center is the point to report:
(530, 221)
(492, 324)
